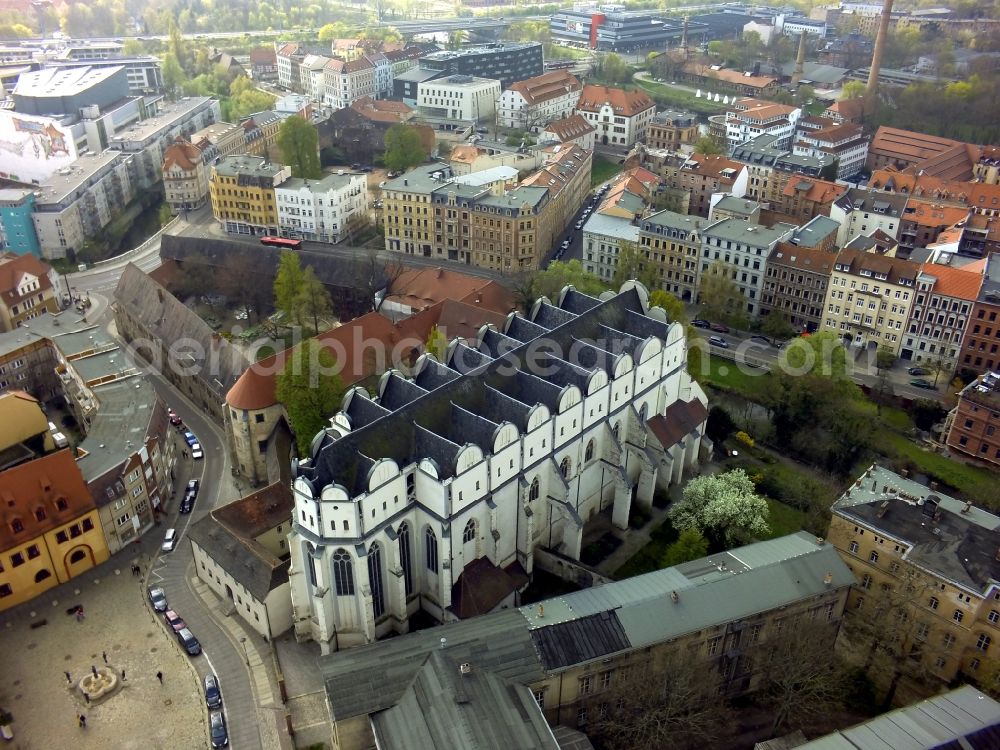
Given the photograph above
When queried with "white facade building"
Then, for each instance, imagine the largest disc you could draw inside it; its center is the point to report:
(620, 117)
(750, 118)
(346, 81)
(536, 102)
(742, 248)
(862, 212)
(441, 505)
(847, 142)
(459, 97)
(602, 239)
(321, 210)
(312, 80)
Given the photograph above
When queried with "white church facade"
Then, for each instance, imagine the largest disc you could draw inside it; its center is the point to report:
(435, 492)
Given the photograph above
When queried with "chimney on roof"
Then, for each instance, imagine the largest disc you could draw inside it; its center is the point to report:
(464, 668)
(828, 579)
(675, 597)
(541, 610)
(444, 642)
(883, 31)
(799, 60)
(967, 507)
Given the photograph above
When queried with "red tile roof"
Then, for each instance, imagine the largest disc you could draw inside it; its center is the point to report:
(547, 86)
(928, 214)
(907, 146)
(810, 259)
(624, 103)
(728, 76)
(382, 110)
(813, 189)
(263, 56)
(848, 109)
(13, 267)
(679, 420)
(961, 283)
(569, 128)
(182, 153)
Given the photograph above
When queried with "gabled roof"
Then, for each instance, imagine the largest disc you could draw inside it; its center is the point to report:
(681, 419)
(908, 146)
(813, 189)
(547, 86)
(624, 103)
(961, 283)
(933, 214)
(569, 128)
(809, 259)
(13, 268)
(381, 110)
(728, 76)
(263, 56)
(847, 109)
(895, 269)
(182, 153)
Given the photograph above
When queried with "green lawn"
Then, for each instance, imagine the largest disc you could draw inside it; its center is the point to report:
(784, 519)
(724, 374)
(648, 558)
(603, 169)
(673, 97)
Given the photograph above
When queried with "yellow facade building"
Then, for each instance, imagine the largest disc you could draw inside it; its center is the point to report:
(242, 193)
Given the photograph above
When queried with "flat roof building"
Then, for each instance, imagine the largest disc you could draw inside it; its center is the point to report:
(505, 61)
(65, 91)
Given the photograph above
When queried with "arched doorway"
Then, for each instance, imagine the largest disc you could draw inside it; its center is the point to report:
(79, 560)
(604, 140)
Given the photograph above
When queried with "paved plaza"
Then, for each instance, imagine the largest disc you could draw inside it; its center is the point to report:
(141, 713)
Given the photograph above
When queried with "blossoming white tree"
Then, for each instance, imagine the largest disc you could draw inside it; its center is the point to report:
(724, 507)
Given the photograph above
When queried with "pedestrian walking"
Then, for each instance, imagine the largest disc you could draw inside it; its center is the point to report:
(104, 655)
(159, 676)
(124, 678)
(69, 678)
(93, 669)
(86, 697)
(83, 721)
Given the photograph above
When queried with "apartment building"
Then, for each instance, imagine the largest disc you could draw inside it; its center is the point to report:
(185, 176)
(869, 299)
(428, 213)
(730, 207)
(260, 133)
(535, 102)
(972, 424)
(476, 445)
(219, 140)
(982, 333)
(670, 129)
(78, 201)
(26, 290)
(818, 136)
(312, 76)
(737, 606)
(506, 62)
(860, 211)
(795, 284)
(326, 210)
(620, 117)
(459, 97)
(743, 249)
(148, 139)
(672, 244)
(242, 193)
(752, 118)
(769, 168)
(264, 64)
(288, 57)
(603, 237)
(941, 312)
(346, 81)
(701, 177)
(573, 130)
(909, 547)
(803, 198)
(17, 230)
(924, 222)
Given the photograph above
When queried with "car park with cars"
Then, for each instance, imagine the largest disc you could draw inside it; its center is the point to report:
(158, 598)
(188, 641)
(213, 695)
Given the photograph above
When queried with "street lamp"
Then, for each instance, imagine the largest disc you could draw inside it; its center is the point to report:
(246, 655)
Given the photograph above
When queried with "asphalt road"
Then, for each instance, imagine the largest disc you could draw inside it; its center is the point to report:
(571, 233)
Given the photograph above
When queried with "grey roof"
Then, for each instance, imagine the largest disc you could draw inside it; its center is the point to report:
(45, 326)
(364, 411)
(472, 428)
(80, 173)
(167, 118)
(861, 199)
(617, 227)
(816, 72)
(737, 230)
(120, 426)
(397, 391)
(673, 220)
(447, 710)
(518, 644)
(736, 205)
(571, 739)
(63, 81)
(329, 182)
(816, 228)
(434, 374)
(257, 166)
(944, 536)
(964, 719)
(419, 75)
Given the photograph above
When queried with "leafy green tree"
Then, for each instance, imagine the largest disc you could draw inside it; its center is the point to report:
(437, 343)
(14, 31)
(776, 326)
(631, 265)
(314, 299)
(690, 545)
(403, 148)
(245, 99)
(173, 75)
(724, 507)
(177, 47)
(885, 358)
(310, 389)
(288, 283)
(299, 145)
(719, 296)
(550, 282)
(331, 31)
(674, 307)
(708, 146)
(852, 90)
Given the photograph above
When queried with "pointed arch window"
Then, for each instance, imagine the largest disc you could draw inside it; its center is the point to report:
(404, 558)
(343, 573)
(616, 430)
(375, 579)
(431, 549)
(534, 490)
(565, 467)
(469, 535)
(589, 453)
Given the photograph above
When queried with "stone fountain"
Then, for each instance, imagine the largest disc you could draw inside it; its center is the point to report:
(99, 684)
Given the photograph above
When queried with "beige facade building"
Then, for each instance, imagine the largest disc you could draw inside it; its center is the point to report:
(220, 139)
(26, 290)
(185, 177)
(927, 580)
(533, 103)
(869, 299)
(795, 284)
(672, 244)
(670, 130)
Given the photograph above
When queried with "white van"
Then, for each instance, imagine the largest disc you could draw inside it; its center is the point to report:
(60, 440)
(169, 541)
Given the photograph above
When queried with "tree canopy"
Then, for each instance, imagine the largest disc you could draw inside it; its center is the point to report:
(708, 146)
(310, 389)
(299, 145)
(549, 283)
(632, 265)
(672, 306)
(724, 507)
(299, 294)
(403, 148)
(719, 296)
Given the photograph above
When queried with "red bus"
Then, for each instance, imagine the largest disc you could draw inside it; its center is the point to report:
(556, 65)
(282, 242)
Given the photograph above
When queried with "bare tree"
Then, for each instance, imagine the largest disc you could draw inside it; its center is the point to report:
(673, 704)
(378, 276)
(801, 676)
(248, 282)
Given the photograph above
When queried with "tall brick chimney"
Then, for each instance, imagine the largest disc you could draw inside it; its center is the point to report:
(800, 60)
(883, 30)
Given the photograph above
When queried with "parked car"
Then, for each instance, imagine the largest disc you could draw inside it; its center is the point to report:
(187, 504)
(565, 244)
(174, 620)
(923, 383)
(217, 724)
(761, 339)
(188, 641)
(719, 328)
(169, 541)
(196, 452)
(193, 485)
(699, 323)
(158, 598)
(189, 437)
(718, 341)
(213, 696)
(174, 419)
(579, 225)
(917, 371)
